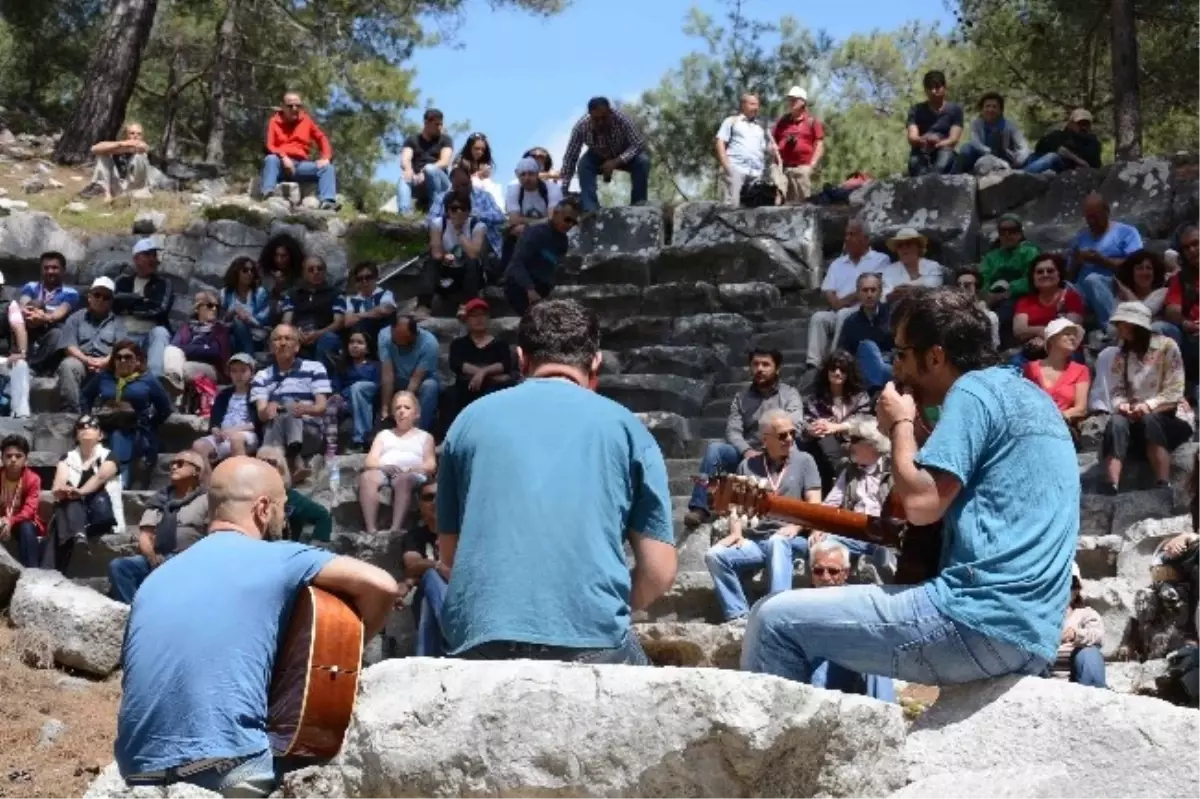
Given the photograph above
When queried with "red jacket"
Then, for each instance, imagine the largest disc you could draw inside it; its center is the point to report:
(295, 140)
(26, 509)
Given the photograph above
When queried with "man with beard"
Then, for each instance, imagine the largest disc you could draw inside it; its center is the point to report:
(203, 633)
(997, 604)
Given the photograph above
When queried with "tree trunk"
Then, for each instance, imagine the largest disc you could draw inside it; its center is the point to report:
(108, 84)
(1127, 101)
(222, 83)
(168, 145)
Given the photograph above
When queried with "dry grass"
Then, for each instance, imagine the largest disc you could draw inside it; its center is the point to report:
(30, 697)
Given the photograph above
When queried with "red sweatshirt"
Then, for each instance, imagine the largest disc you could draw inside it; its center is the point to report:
(295, 140)
(26, 507)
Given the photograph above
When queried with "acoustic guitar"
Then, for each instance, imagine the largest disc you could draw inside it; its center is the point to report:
(316, 677)
(920, 548)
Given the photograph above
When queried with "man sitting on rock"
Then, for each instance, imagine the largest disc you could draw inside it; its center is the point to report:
(800, 141)
(315, 307)
(1095, 255)
(1005, 271)
(742, 146)
(528, 201)
(142, 301)
(408, 361)
(840, 289)
(425, 574)
(20, 489)
(790, 473)
(291, 134)
(532, 273)
(993, 134)
(424, 163)
(867, 333)
(934, 129)
(370, 308)
(613, 145)
(742, 440)
(87, 339)
(121, 166)
(290, 396)
(480, 201)
(1072, 147)
(45, 306)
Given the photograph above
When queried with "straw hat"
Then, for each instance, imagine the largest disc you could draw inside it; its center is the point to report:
(1133, 313)
(907, 234)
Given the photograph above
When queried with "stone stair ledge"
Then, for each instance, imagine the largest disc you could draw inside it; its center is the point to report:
(644, 393)
(695, 362)
(55, 432)
(941, 207)
(795, 227)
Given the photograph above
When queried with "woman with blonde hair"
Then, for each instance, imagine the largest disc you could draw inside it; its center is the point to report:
(403, 457)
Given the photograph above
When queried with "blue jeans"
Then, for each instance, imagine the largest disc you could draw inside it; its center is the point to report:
(589, 174)
(241, 337)
(833, 677)
(436, 182)
(361, 397)
(27, 544)
(970, 154)
(890, 630)
(125, 577)
(1170, 331)
(306, 171)
(1097, 287)
(629, 653)
(939, 162)
(1050, 162)
(725, 563)
(129, 445)
(428, 394)
(719, 456)
(1087, 667)
(324, 349)
(876, 371)
(430, 643)
(252, 775)
(154, 344)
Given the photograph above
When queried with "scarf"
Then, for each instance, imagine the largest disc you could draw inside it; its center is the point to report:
(166, 534)
(855, 482)
(124, 381)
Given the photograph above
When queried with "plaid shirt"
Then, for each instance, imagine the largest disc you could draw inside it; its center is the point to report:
(621, 141)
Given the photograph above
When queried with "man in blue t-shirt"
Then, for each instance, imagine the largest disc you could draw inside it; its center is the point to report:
(203, 633)
(999, 470)
(539, 489)
(45, 304)
(408, 361)
(1097, 252)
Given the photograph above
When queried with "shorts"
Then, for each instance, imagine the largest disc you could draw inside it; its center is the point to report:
(223, 449)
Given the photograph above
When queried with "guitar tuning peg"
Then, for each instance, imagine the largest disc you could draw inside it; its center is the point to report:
(753, 521)
(764, 483)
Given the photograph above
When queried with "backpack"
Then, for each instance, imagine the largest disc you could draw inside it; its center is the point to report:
(543, 192)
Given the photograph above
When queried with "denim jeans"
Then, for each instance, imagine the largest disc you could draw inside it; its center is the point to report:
(1087, 667)
(889, 630)
(589, 174)
(430, 643)
(125, 577)
(250, 776)
(1097, 287)
(241, 337)
(154, 344)
(436, 182)
(129, 445)
(428, 394)
(725, 564)
(719, 456)
(1050, 162)
(939, 162)
(970, 154)
(361, 398)
(323, 351)
(833, 677)
(306, 171)
(27, 544)
(876, 371)
(1170, 331)
(629, 653)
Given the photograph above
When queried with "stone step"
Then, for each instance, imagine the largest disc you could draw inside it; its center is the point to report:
(642, 392)
(55, 432)
(699, 363)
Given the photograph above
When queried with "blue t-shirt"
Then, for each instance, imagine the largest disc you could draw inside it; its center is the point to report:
(199, 650)
(51, 300)
(421, 354)
(1119, 241)
(541, 502)
(1010, 534)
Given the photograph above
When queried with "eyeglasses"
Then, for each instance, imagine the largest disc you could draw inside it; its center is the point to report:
(1050, 271)
(125, 356)
(823, 571)
(365, 277)
(208, 305)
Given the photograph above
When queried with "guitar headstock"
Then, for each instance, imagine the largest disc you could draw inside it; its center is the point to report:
(747, 496)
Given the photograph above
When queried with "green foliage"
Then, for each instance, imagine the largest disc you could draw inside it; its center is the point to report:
(237, 213)
(382, 243)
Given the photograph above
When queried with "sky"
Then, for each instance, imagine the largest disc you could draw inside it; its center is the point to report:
(507, 60)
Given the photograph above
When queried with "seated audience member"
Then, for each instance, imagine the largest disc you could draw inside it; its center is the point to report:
(408, 361)
(766, 392)
(315, 309)
(203, 340)
(1096, 253)
(403, 458)
(143, 301)
(16, 369)
(911, 267)
(456, 252)
(1050, 299)
(867, 333)
(424, 163)
(245, 306)
(995, 135)
(121, 166)
(300, 512)
(45, 305)
(1082, 636)
(371, 307)
(291, 135)
(236, 429)
(545, 163)
(829, 564)
(424, 574)
(1182, 308)
(532, 273)
(482, 205)
(1070, 148)
(88, 338)
(1147, 382)
(934, 129)
(969, 279)
(175, 518)
(837, 397)
(742, 147)
(289, 397)
(768, 544)
(1064, 379)
(1142, 278)
(131, 404)
(614, 144)
(356, 384)
(20, 489)
(476, 156)
(281, 265)
(840, 289)
(481, 363)
(1005, 270)
(87, 496)
(799, 140)
(528, 201)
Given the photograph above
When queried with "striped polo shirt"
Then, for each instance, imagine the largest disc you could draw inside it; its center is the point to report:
(302, 383)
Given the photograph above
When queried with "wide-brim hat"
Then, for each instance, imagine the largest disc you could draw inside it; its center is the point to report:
(907, 234)
(1062, 325)
(1133, 313)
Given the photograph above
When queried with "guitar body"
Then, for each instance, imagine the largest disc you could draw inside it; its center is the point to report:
(315, 681)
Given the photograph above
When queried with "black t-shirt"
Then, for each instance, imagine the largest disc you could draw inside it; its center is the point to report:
(421, 540)
(464, 351)
(929, 121)
(313, 309)
(1084, 145)
(426, 152)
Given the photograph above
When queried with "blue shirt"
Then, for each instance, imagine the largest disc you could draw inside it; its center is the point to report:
(421, 354)
(50, 301)
(1119, 241)
(1010, 534)
(199, 650)
(541, 503)
(366, 372)
(358, 304)
(302, 383)
(483, 209)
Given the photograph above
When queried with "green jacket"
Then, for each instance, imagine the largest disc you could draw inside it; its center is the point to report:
(1011, 265)
(303, 511)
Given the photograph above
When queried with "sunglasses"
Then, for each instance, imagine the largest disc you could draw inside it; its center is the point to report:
(181, 462)
(454, 209)
(364, 278)
(101, 295)
(822, 571)
(209, 305)
(125, 356)
(786, 435)
(1009, 230)
(836, 370)
(428, 496)
(293, 105)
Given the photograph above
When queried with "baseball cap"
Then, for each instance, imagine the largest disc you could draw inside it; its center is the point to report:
(528, 165)
(477, 304)
(104, 283)
(1080, 115)
(798, 93)
(145, 245)
(241, 357)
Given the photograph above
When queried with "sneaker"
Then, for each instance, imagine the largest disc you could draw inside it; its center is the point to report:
(694, 518)
(1109, 490)
(1163, 484)
(90, 191)
(329, 205)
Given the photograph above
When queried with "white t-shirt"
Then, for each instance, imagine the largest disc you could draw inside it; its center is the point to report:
(531, 203)
(450, 242)
(929, 273)
(403, 451)
(745, 143)
(842, 275)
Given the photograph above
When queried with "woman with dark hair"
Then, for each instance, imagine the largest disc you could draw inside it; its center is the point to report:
(1182, 307)
(280, 265)
(131, 404)
(970, 280)
(87, 495)
(456, 248)
(476, 157)
(1051, 298)
(1149, 411)
(837, 396)
(545, 161)
(1142, 278)
(245, 306)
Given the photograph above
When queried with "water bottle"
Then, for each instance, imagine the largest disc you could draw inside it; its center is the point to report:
(335, 476)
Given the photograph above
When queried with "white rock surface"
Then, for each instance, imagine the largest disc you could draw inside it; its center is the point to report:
(86, 627)
(10, 572)
(1042, 782)
(109, 785)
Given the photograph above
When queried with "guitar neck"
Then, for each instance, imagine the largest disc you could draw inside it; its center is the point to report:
(858, 526)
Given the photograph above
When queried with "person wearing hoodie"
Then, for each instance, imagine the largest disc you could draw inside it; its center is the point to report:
(291, 135)
(1005, 270)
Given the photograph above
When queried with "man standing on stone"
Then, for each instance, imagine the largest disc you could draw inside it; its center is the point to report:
(87, 339)
(800, 139)
(121, 166)
(934, 129)
(425, 162)
(840, 289)
(532, 272)
(290, 396)
(143, 303)
(613, 144)
(743, 147)
(291, 135)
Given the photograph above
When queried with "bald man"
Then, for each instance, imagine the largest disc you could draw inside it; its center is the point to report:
(289, 397)
(203, 632)
(1097, 252)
